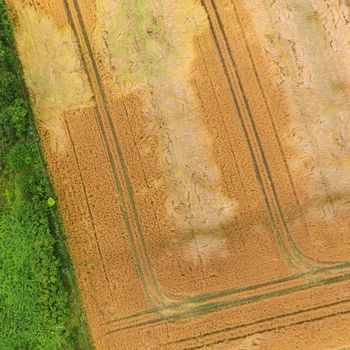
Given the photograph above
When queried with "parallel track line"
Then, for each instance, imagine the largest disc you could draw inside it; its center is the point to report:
(119, 152)
(261, 321)
(110, 157)
(271, 329)
(220, 306)
(290, 178)
(299, 256)
(90, 212)
(258, 176)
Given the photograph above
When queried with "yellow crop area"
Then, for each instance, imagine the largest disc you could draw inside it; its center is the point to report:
(204, 183)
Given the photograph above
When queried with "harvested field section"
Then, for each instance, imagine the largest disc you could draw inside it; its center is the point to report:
(189, 223)
(158, 63)
(62, 85)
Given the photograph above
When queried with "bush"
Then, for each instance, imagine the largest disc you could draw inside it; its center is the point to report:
(33, 306)
(18, 158)
(7, 59)
(16, 117)
(8, 87)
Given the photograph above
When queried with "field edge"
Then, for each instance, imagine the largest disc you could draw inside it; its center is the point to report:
(77, 321)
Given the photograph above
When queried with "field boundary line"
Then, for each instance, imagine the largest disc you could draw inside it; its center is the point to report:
(68, 270)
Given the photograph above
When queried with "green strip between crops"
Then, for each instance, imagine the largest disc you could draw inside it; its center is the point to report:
(40, 305)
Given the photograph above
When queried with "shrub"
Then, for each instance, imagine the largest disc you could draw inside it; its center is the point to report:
(8, 87)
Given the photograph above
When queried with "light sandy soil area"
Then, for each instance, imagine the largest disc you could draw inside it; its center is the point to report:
(200, 153)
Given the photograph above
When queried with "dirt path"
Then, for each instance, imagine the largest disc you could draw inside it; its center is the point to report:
(200, 210)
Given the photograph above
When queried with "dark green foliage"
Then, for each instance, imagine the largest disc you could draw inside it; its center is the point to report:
(5, 25)
(18, 158)
(14, 119)
(38, 308)
(8, 87)
(34, 306)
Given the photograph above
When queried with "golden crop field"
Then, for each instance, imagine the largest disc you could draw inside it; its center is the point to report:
(200, 153)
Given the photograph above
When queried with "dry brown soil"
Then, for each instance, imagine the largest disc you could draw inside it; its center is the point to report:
(200, 154)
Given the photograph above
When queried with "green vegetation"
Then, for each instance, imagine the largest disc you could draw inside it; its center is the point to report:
(39, 300)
